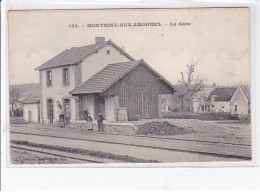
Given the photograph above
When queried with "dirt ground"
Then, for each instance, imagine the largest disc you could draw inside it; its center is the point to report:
(24, 157)
(218, 131)
(217, 137)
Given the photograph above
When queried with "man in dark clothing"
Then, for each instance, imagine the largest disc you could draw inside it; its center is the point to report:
(61, 120)
(100, 122)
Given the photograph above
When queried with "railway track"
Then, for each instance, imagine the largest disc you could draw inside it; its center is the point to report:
(178, 139)
(142, 146)
(150, 137)
(54, 154)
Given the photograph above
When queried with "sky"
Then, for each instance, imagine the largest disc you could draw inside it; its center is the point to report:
(217, 39)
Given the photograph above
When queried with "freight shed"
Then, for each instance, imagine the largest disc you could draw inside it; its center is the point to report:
(132, 88)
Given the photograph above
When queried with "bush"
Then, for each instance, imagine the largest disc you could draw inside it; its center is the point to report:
(201, 116)
(17, 120)
(245, 119)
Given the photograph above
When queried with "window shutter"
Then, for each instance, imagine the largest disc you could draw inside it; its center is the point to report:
(64, 81)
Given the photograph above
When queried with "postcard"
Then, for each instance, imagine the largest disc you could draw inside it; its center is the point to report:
(125, 86)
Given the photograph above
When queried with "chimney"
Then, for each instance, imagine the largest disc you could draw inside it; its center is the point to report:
(100, 40)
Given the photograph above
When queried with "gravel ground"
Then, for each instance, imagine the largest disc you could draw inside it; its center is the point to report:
(219, 131)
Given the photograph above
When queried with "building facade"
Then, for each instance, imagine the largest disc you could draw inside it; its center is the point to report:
(69, 69)
(228, 100)
(31, 109)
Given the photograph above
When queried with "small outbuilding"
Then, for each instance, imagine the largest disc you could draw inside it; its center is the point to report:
(31, 109)
(123, 91)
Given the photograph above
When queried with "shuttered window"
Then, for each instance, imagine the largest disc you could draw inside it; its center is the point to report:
(66, 77)
(49, 78)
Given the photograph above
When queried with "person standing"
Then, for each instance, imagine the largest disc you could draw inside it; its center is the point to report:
(89, 122)
(100, 122)
(61, 119)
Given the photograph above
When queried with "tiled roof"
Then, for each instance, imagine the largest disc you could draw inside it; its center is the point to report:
(32, 99)
(68, 57)
(76, 54)
(105, 78)
(110, 75)
(222, 94)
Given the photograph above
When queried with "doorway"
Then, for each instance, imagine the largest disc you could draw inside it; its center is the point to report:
(101, 106)
(66, 105)
(50, 110)
(29, 116)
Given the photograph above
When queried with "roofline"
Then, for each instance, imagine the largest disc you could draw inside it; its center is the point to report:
(208, 100)
(137, 64)
(90, 53)
(56, 66)
(35, 102)
(238, 88)
(172, 86)
(101, 91)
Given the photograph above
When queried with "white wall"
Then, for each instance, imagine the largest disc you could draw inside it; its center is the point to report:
(110, 108)
(241, 101)
(90, 104)
(57, 91)
(196, 105)
(90, 66)
(34, 109)
(97, 61)
(218, 106)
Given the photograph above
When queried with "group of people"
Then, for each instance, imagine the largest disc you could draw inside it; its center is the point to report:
(90, 124)
(89, 120)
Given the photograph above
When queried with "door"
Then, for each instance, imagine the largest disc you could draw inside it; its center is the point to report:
(29, 116)
(50, 110)
(66, 105)
(101, 106)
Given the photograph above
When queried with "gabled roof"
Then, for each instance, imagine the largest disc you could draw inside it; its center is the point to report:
(109, 75)
(77, 54)
(32, 99)
(222, 94)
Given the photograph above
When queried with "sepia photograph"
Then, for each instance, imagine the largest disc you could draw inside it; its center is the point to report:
(115, 86)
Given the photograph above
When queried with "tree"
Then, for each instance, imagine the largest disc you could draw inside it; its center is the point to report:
(14, 98)
(190, 85)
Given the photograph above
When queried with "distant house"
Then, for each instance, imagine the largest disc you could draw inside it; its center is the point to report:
(25, 91)
(100, 77)
(228, 100)
(200, 100)
(169, 103)
(31, 109)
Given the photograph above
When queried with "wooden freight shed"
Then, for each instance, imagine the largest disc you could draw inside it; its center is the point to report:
(132, 87)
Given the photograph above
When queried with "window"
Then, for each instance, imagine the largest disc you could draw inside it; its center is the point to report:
(108, 52)
(235, 108)
(66, 76)
(49, 78)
